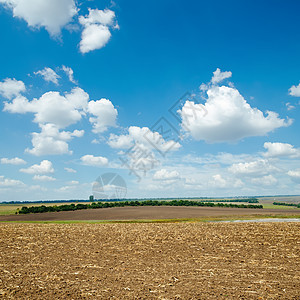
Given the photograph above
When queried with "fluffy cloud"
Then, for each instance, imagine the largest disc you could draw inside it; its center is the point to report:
(53, 112)
(266, 180)
(295, 90)
(10, 88)
(142, 136)
(49, 75)
(295, 175)
(43, 168)
(218, 181)
(258, 167)
(96, 161)
(94, 37)
(43, 178)
(105, 17)
(120, 141)
(13, 161)
(7, 183)
(164, 174)
(220, 76)
(51, 141)
(96, 33)
(226, 116)
(69, 73)
(52, 15)
(52, 107)
(281, 149)
(105, 114)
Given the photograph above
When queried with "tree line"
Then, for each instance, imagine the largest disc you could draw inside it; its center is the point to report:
(94, 205)
(287, 204)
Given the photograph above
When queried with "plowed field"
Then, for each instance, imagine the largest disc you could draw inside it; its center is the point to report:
(148, 213)
(150, 261)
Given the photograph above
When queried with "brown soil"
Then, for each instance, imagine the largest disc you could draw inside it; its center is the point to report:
(147, 213)
(150, 261)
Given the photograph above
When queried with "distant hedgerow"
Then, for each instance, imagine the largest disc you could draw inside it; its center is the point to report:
(287, 204)
(94, 205)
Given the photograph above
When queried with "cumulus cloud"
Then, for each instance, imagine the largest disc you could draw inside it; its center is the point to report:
(281, 149)
(218, 181)
(70, 170)
(43, 168)
(104, 113)
(295, 90)
(295, 175)
(13, 161)
(94, 37)
(49, 75)
(164, 174)
(8, 183)
(266, 180)
(220, 76)
(51, 141)
(52, 15)
(226, 116)
(253, 168)
(53, 112)
(69, 73)
(142, 136)
(96, 32)
(96, 161)
(52, 107)
(43, 178)
(10, 88)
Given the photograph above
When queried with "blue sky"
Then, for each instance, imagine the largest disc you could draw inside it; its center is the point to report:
(86, 88)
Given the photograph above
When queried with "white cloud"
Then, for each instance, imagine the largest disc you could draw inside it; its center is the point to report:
(75, 182)
(49, 75)
(43, 178)
(258, 167)
(10, 88)
(220, 76)
(120, 141)
(265, 180)
(94, 37)
(51, 141)
(289, 106)
(218, 181)
(53, 111)
(281, 149)
(226, 116)
(43, 168)
(105, 115)
(52, 107)
(164, 174)
(53, 15)
(295, 175)
(142, 136)
(96, 16)
(96, 33)
(70, 170)
(96, 161)
(13, 161)
(295, 90)
(69, 73)
(7, 183)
